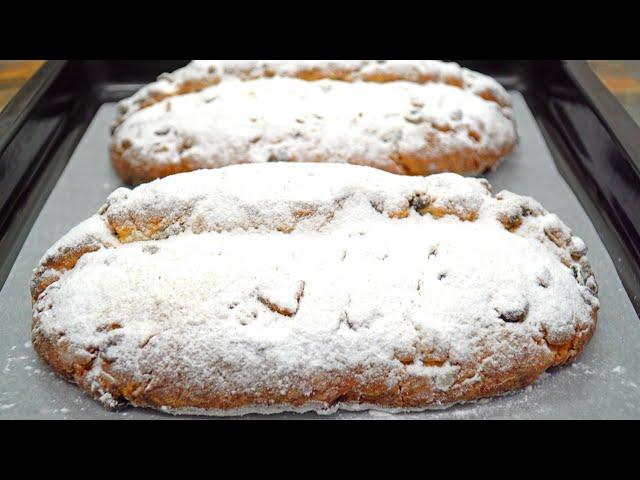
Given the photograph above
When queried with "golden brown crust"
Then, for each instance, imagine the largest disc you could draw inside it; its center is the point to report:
(411, 392)
(144, 170)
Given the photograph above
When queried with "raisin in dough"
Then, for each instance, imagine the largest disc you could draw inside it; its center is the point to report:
(311, 287)
(408, 117)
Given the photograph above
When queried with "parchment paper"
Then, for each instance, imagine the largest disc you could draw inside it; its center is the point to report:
(603, 383)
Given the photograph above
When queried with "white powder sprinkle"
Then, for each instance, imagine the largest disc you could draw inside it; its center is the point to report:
(365, 123)
(201, 73)
(403, 116)
(263, 273)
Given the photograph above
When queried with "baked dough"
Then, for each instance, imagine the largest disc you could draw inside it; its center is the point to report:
(408, 117)
(298, 287)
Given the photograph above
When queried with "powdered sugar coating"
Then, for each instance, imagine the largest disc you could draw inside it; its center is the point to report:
(265, 276)
(413, 117)
(294, 120)
(202, 73)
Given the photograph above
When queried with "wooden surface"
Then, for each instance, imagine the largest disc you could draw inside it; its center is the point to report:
(622, 77)
(13, 74)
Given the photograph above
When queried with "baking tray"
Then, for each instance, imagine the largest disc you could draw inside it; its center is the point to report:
(70, 176)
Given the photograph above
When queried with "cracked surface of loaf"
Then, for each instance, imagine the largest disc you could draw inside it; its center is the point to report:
(296, 287)
(409, 117)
